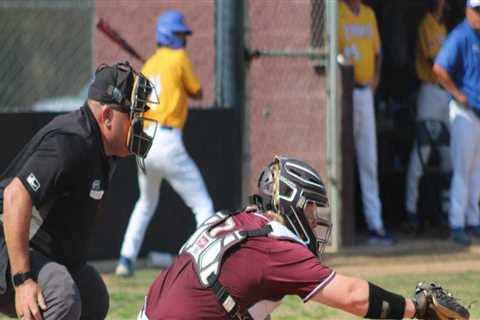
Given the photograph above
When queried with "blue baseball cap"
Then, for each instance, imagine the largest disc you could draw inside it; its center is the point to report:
(473, 3)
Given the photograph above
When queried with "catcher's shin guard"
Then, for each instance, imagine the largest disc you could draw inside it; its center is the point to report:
(434, 303)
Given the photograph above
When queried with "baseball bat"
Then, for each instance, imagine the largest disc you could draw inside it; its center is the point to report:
(113, 35)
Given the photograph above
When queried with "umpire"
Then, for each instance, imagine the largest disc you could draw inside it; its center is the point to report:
(52, 192)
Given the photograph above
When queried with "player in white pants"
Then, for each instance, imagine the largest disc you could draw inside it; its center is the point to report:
(359, 42)
(457, 67)
(432, 103)
(465, 146)
(168, 160)
(170, 69)
(364, 132)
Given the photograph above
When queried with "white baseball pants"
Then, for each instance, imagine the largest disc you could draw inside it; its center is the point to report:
(465, 152)
(432, 103)
(167, 159)
(364, 132)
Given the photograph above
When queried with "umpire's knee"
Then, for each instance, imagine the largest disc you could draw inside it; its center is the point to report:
(60, 292)
(94, 293)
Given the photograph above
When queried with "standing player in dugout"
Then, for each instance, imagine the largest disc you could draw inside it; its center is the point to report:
(171, 72)
(359, 42)
(457, 67)
(432, 102)
(53, 191)
(240, 265)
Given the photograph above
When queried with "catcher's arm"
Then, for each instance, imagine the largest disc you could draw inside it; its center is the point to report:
(434, 303)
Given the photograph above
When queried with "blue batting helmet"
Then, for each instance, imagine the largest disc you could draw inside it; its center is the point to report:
(169, 23)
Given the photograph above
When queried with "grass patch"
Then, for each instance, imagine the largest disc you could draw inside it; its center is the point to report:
(127, 295)
(464, 286)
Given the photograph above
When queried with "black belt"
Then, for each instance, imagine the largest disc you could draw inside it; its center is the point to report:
(164, 127)
(360, 86)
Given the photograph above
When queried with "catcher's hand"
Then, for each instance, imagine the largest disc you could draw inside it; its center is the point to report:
(433, 303)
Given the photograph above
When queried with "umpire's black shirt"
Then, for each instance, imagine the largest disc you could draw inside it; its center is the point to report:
(66, 172)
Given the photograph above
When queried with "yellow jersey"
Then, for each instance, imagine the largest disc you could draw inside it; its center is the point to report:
(359, 41)
(170, 70)
(430, 36)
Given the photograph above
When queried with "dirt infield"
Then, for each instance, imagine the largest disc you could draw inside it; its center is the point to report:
(409, 255)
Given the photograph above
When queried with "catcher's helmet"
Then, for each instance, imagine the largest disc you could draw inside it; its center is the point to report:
(287, 186)
(170, 23)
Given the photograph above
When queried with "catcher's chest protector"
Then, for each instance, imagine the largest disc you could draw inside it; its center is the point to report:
(217, 235)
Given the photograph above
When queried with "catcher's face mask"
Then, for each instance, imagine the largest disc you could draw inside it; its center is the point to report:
(142, 130)
(318, 218)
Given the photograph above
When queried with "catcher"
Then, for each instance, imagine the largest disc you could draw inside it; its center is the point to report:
(240, 265)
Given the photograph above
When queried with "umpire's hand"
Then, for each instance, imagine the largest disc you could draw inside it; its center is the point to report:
(29, 300)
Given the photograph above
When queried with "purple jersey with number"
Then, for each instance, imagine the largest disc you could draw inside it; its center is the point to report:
(260, 268)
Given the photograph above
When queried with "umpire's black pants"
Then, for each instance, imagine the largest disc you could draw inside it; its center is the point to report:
(70, 296)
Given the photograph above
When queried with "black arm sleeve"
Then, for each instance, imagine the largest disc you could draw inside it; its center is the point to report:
(384, 304)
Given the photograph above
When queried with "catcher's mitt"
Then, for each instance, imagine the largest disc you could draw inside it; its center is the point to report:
(433, 303)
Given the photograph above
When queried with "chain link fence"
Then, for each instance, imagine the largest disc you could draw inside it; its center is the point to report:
(50, 48)
(286, 81)
(317, 23)
(46, 52)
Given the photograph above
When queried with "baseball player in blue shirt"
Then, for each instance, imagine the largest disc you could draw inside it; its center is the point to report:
(457, 67)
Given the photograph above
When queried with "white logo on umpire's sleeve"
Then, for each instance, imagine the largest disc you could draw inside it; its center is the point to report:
(33, 182)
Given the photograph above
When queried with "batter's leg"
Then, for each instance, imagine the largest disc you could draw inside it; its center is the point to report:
(145, 207)
(187, 181)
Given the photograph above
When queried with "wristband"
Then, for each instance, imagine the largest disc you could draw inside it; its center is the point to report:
(20, 278)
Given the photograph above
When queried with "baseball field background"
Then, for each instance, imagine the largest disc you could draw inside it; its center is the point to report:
(285, 98)
(398, 270)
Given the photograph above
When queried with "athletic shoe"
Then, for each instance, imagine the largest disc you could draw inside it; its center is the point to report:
(474, 231)
(460, 236)
(380, 238)
(124, 267)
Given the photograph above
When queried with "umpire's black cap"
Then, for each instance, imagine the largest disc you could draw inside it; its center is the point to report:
(113, 84)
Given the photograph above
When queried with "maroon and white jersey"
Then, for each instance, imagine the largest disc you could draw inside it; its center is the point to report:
(255, 270)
